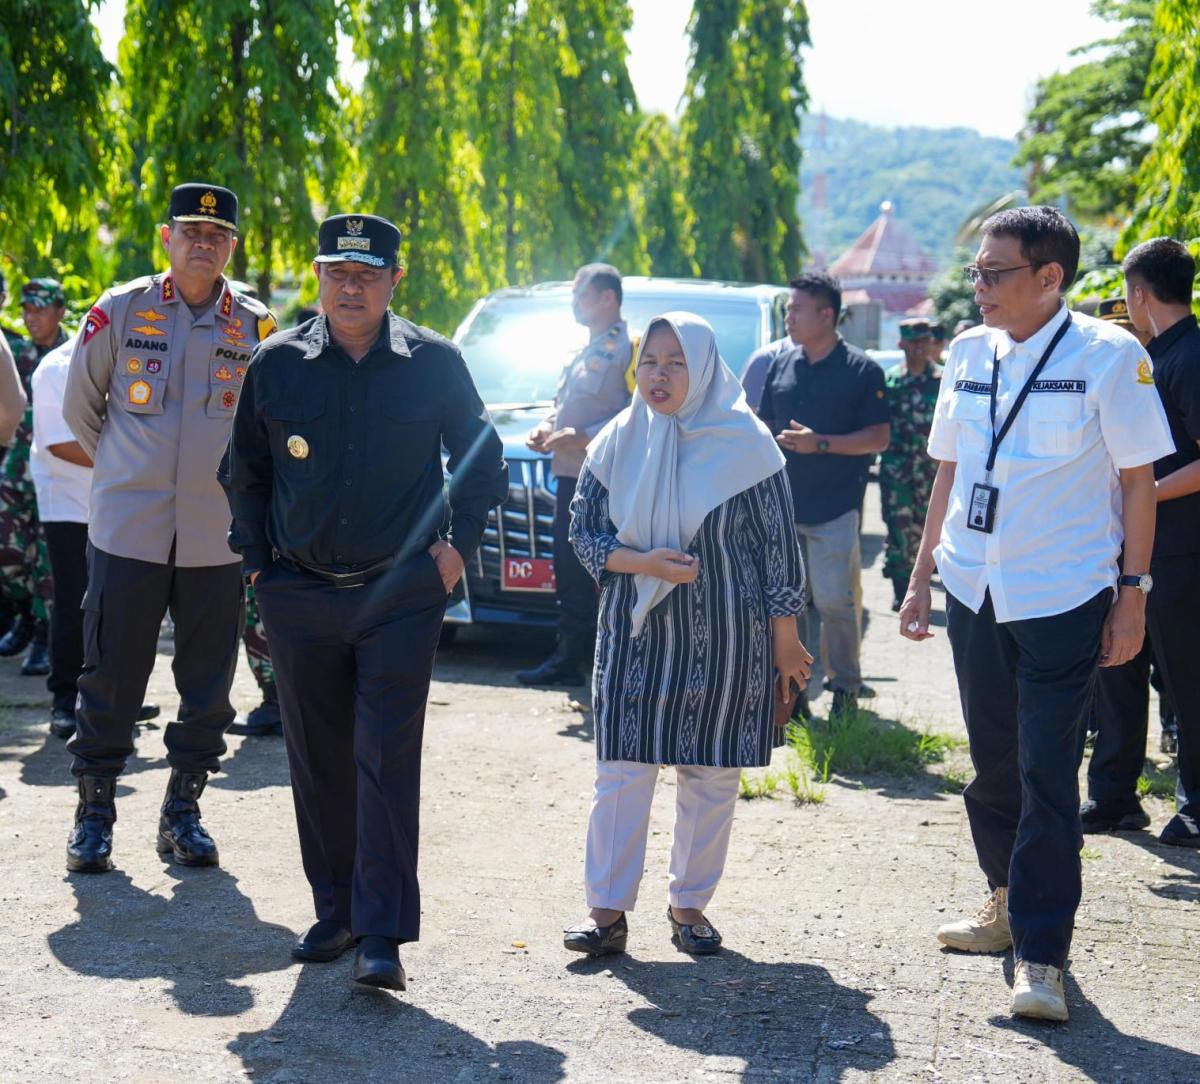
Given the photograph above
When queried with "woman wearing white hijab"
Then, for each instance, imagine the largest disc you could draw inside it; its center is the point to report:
(684, 517)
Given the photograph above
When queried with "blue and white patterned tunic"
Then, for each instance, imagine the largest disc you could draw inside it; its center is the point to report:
(696, 686)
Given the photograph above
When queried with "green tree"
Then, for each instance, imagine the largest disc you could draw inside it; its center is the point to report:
(1087, 128)
(55, 135)
(1168, 181)
(245, 95)
(740, 134)
(664, 220)
(952, 294)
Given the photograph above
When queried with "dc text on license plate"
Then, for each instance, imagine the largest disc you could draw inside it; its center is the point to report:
(527, 574)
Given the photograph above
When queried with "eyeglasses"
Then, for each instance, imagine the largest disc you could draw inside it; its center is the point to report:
(990, 276)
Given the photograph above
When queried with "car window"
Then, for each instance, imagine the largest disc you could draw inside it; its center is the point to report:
(516, 347)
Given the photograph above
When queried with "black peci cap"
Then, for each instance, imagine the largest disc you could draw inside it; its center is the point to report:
(365, 239)
(204, 203)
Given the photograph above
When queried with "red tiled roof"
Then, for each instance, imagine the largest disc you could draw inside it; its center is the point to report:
(885, 251)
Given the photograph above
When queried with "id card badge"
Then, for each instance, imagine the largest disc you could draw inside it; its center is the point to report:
(981, 515)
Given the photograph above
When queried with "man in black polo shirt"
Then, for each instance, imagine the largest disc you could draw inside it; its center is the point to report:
(826, 402)
(1159, 277)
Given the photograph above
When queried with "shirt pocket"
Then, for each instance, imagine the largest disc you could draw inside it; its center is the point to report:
(1055, 424)
(297, 433)
(970, 415)
(140, 381)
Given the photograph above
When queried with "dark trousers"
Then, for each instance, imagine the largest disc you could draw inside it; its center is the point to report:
(1121, 717)
(1171, 614)
(123, 609)
(575, 590)
(1026, 689)
(352, 669)
(66, 544)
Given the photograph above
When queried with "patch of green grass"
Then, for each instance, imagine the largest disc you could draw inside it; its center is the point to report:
(758, 786)
(859, 741)
(1158, 784)
(955, 780)
(805, 780)
(1090, 854)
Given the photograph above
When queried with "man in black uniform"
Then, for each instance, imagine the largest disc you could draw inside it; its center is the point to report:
(334, 476)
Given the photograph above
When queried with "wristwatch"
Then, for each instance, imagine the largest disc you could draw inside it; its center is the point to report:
(823, 445)
(1142, 582)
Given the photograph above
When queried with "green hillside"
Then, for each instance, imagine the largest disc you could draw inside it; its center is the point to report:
(934, 176)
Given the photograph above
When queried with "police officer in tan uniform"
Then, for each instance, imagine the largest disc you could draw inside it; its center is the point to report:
(594, 388)
(153, 382)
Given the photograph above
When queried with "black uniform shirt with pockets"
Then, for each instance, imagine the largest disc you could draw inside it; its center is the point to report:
(338, 464)
(1176, 357)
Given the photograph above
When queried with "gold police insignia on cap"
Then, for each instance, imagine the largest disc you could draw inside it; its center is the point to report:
(297, 447)
(208, 203)
(354, 227)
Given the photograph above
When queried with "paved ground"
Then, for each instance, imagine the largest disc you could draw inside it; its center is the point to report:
(156, 973)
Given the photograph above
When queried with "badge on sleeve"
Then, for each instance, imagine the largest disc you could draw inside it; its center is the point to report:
(97, 321)
(297, 447)
(139, 393)
(1145, 375)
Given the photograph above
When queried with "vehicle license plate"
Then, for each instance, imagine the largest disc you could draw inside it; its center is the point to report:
(527, 574)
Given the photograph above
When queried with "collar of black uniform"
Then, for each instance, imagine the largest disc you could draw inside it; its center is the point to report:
(391, 333)
(1160, 344)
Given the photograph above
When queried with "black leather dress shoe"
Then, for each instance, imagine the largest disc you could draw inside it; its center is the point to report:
(325, 941)
(377, 963)
(62, 722)
(697, 939)
(147, 712)
(1127, 816)
(263, 721)
(597, 940)
(556, 670)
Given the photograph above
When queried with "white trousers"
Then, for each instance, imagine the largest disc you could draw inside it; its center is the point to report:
(620, 820)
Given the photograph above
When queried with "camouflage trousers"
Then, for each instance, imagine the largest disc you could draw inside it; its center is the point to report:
(905, 499)
(24, 563)
(255, 639)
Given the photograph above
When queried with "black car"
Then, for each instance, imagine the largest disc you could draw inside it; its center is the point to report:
(516, 343)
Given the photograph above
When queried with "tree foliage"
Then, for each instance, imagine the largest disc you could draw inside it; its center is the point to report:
(1087, 129)
(1168, 181)
(240, 93)
(55, 134)
(741, 129)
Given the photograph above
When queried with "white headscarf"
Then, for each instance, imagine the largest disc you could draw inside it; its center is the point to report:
(665, 472)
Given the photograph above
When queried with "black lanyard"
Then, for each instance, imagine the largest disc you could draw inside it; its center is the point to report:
(1022, 396)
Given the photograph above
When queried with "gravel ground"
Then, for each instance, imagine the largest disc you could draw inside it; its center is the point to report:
(156, 973)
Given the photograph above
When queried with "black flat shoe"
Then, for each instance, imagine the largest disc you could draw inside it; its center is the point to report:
(597, 940)
(377, 964)
(62, 723)
(325, 941)
(698, 939)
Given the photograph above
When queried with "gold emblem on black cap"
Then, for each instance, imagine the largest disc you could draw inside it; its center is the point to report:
(354, 227)
(208, 203)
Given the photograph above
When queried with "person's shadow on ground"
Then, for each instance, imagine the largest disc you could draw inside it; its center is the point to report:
(201, 938)
(332, 1030)
(791, 1020)
(49, 765)
(1183, 886)
(257, 762)
(1097, 1048)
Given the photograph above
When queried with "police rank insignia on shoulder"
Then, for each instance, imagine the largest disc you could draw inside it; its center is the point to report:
(1145, 375)
(297, 447)
(139, 393)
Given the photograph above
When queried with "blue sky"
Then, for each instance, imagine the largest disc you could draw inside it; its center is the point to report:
(934, 63)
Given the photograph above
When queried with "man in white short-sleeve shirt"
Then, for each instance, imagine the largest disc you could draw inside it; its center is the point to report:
(62, 477)
(1046, 429)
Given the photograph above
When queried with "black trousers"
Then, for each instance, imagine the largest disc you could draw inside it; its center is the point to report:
(575, 590)
(1121, 717)
(352, 668)
(1171, 615)
(123, 609)
(66, 545)
(1026, 689)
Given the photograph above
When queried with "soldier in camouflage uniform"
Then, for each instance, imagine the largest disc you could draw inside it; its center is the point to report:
(906, 471)
(24, 565)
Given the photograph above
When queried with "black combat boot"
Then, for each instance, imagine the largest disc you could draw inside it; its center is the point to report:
(89, 846)
(37, 661)
(18, 636)
(179, 829)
